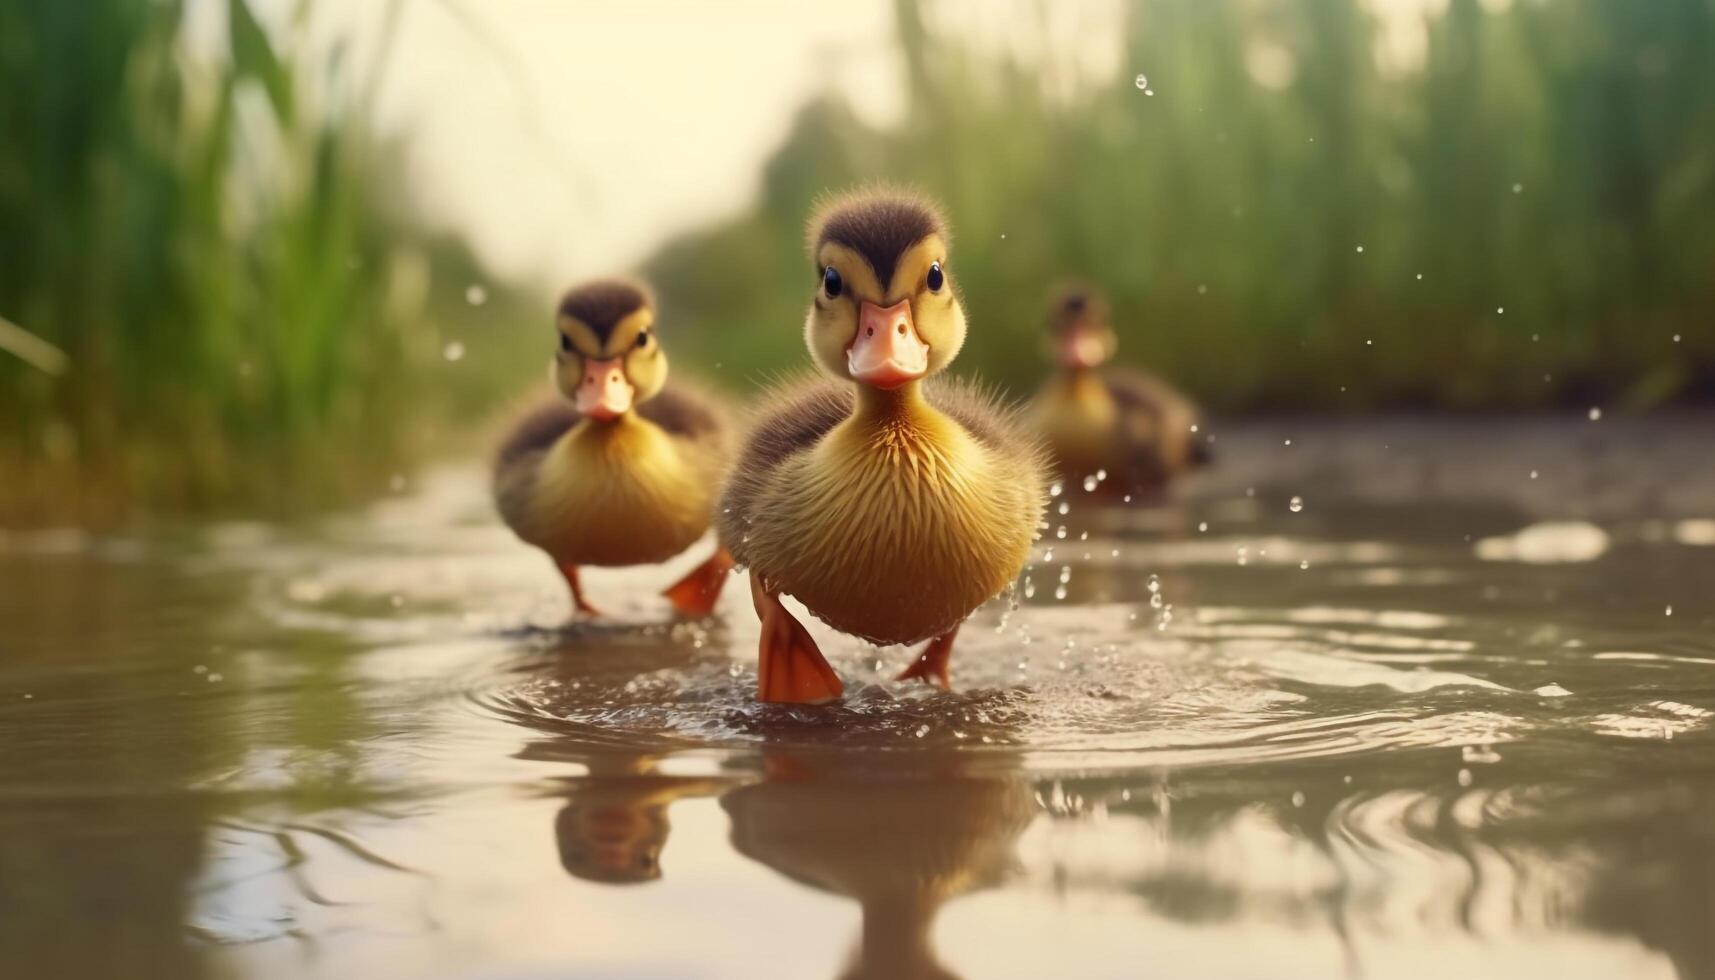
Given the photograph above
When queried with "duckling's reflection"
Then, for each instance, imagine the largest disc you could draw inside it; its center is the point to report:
(614, 824)
(901, 844)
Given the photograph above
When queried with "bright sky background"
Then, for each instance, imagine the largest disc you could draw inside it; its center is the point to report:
(567, 138)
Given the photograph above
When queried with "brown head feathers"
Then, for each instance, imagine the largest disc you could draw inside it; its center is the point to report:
(602, 303)
(879, 225)
(1076, 304)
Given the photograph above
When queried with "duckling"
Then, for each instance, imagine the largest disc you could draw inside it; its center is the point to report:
(1128, 424)
(623, 469)
(891, 507)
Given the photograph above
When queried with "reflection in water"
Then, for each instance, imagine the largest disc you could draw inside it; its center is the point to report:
(1226, 737)
(614, 825)
(900, 844)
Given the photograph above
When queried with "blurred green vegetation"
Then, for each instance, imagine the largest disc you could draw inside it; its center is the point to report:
(249, 313)
(245, 309)
(1525, 218)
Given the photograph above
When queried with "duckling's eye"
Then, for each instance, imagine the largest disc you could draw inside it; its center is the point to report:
(936, 277)
(831, 282)
(642, 339)
(565, 344)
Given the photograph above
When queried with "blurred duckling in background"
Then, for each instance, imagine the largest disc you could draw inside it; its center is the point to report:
(623, 469)
(1129, 425)
(890, 507)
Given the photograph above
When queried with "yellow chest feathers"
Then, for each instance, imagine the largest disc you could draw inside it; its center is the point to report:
(624, 493)
(895, 530)
(1078, 418)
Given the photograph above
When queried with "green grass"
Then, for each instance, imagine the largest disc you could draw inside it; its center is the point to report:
(1226, 218)
(244, 311)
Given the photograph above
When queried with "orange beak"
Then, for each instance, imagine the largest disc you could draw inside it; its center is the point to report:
(887, 351)
(604, 394)
(1081, 347)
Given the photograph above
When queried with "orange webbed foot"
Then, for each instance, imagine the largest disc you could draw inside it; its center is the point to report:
(579, 603)
(931, 665)
(790, 668)
(694, 596)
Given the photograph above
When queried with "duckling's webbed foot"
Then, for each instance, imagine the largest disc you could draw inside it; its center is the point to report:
(790, 668)
(930, 666)
(694, 596)
(570, 571)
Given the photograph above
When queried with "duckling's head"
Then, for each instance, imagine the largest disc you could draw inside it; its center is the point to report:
(609, 359)
(885, 310)
(1080, 334)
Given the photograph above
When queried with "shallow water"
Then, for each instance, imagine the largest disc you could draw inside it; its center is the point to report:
(1446, 716)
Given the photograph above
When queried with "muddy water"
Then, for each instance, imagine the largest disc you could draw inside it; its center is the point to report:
(1449, 713)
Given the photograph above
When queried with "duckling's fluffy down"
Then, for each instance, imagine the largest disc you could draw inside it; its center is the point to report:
(890, 558)
(638, 490)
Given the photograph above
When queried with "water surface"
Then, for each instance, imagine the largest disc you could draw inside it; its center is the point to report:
(1448, 711)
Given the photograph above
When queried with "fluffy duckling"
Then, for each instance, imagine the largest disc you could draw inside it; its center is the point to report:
(890, 507)
(1133, 426)
(623, 469)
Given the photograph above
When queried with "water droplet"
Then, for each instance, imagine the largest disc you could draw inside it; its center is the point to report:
(1060, 532)
(922, 730)
(1064, 508)
(453, 352)
(475, 294)
(1669, 610)
(1298, 798)
(1464, 777)
(1149, 92)
(1304, 566)
(1533, 474)
(1595, 415)
(1060, 592)
(1055, 489)
(1089, 484)
(1101, 475)
(1499, 310)
(1288, 442)
(1202, 527)
(1360, 248)
(1676, 338)
(1142, 82)
(1420, 275)
(1296, 504)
